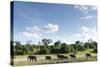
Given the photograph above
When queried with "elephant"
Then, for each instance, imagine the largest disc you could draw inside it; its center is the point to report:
(31, 58)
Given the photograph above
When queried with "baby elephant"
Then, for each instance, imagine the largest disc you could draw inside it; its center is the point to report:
(88, 55)
(48, 57)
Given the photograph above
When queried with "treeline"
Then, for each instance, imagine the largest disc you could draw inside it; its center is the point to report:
(44, 48)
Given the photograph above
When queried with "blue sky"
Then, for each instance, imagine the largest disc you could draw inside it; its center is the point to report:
(68, 23)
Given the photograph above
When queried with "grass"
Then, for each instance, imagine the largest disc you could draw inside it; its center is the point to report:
(22, 60)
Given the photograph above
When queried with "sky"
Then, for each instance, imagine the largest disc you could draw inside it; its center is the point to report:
(68, 23)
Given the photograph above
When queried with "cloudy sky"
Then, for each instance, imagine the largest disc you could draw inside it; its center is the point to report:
(68, 23)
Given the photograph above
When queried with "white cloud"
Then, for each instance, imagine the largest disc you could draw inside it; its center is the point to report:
(83, 9)
(86, 10)
(36, 31)
(50, 28)
(28, 34)
(85, 34)
(87, 17)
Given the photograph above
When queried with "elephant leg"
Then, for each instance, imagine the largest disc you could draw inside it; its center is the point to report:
(30, 59)
(35, 59)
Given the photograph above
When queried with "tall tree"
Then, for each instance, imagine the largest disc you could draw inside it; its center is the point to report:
(46, 41)
(18, 48)
(57, 43)
(43, 50)
(95, 46)
(17, 45)
(64, 48)
(78, 43)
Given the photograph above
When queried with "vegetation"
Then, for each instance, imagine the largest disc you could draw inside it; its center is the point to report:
(44, 48)
(43, 53)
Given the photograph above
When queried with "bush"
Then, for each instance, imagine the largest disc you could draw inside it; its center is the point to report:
(43, 50)
(19, 52)
(95, 50)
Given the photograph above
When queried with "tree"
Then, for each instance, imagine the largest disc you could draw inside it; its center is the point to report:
(54, 50)
(71, 49)
(43, 50)
(17, 45)
(75, 47)
(57, 43)
(95, 48)
(46, 41)
(89, 45)
(79, 46)
(78, 43)
(18, 48)
(86, 45)
(64, 48)
(90, 41)
(95, 44)
(29, 48)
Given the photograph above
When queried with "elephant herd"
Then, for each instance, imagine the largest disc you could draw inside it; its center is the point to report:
(59, 56)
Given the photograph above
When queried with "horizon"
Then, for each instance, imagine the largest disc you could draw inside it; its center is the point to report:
(52, 43)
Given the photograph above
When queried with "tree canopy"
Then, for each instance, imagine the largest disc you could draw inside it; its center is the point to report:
(57, 47)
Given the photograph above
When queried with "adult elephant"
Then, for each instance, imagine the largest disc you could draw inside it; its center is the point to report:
(73, 56)
(31, 58)
(59, 56)
(62, 56)
(88, 55)
(48, 57)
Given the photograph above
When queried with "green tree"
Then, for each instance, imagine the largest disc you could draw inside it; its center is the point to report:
(89, 45)
(64, 48)
(79, 46)
(46, 41)
(95, 48)
(71, 49)
(76, 48)
(18, 48)
(78, 43)
(54, 50)
(57, 43)
(43, 50)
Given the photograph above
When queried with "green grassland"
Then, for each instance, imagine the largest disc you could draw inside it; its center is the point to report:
(80, 57)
